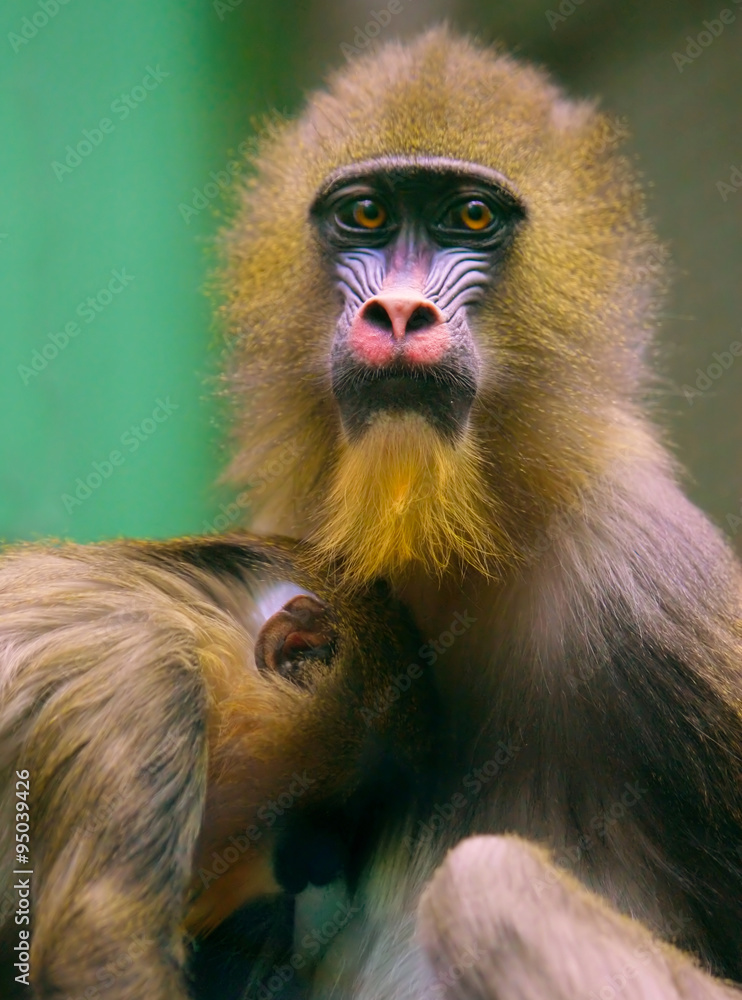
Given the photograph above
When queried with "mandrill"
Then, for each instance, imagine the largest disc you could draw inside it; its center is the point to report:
(442, 286)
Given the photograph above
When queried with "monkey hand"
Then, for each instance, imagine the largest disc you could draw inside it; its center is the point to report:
(499, 921)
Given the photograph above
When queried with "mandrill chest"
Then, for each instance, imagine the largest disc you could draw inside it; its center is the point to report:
(520, 731)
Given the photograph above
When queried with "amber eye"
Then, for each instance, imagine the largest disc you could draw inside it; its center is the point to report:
(369, 214)
(475, 215)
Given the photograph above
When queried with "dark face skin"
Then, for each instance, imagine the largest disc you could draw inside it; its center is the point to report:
(413, 244)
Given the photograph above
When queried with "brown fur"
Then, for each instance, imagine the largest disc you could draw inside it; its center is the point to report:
(578, 297)
(603, 648)
(606, 644)
(130, 694)
(488, 934)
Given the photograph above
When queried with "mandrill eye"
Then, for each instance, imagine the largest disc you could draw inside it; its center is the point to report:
(475, 215)
(369, 214)
(475, 220)
(359, 216)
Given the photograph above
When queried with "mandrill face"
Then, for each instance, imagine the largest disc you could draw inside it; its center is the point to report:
(439, 285)
(412, 243)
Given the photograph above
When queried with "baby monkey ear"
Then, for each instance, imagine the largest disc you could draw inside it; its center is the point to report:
(302, 631)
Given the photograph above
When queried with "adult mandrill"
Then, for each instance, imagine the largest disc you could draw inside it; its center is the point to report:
(441, 286)
(165, 708)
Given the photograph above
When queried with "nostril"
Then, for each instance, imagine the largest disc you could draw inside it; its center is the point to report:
(375, 314)
(421, 318)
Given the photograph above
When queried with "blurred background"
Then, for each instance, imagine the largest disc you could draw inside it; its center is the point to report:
(119, 124)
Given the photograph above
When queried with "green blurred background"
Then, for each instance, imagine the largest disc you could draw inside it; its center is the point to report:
(107, 349)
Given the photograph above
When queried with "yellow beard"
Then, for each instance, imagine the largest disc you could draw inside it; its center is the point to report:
(402, 495)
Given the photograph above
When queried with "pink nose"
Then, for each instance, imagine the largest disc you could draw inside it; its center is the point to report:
(400, 313)
(399, 323)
